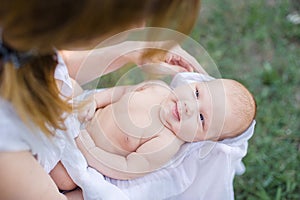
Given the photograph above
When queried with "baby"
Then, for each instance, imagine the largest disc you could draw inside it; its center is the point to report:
(137, 129)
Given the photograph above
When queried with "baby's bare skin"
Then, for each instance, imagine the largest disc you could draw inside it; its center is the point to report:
(125, 128)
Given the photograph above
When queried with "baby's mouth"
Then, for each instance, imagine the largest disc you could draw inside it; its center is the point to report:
(175, 112)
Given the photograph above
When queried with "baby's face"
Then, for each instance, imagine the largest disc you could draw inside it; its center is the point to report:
(196, 112)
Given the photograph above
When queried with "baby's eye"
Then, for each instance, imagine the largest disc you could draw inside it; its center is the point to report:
(201, 117)
(197, 92)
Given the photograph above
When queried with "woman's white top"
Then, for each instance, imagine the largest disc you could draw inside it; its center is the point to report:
(16, 136)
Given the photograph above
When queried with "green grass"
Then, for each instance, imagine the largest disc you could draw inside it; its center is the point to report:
(252, 41)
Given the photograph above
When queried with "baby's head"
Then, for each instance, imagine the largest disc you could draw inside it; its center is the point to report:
(240, 109)
(211, 110)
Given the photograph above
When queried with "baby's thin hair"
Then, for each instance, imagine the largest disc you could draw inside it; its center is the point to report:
(244, 104)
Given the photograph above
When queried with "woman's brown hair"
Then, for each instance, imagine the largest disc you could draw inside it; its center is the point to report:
(42, 25)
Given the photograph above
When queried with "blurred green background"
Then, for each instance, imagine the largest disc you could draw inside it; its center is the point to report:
(254, 43)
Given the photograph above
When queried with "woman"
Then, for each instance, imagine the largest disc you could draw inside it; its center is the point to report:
(34, 108)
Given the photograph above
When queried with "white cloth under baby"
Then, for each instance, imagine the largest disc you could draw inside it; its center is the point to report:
(200, 171)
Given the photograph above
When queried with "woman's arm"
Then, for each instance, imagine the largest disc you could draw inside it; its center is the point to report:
(85, 66)
(23, 178)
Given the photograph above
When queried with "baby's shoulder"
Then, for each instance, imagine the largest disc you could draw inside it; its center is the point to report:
(151, 83)
(154, 86)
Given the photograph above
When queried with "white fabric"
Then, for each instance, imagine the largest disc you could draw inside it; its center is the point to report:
(189, 77)
(202, 170)
(61, 73)
(91, 182)
(16, 136)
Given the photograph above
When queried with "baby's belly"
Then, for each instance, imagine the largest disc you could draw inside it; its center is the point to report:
(129, 143)
(121, 144)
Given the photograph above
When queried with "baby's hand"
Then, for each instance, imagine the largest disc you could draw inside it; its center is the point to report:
(87, 112)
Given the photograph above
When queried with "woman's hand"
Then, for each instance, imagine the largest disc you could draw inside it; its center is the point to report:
(161, 53)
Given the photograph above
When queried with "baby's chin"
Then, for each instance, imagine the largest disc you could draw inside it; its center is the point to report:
(185, 138)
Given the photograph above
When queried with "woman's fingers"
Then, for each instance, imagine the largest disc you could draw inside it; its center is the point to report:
(163, 68)
(178, 61)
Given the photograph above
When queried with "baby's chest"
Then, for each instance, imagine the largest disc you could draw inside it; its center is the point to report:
(132, 134)
(137, 118)
(136, 114)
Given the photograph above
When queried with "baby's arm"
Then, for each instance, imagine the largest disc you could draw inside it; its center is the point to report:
(147, 158)
(101, 99)
(111, 95)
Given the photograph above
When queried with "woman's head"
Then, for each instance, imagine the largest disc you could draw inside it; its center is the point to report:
(74, 23)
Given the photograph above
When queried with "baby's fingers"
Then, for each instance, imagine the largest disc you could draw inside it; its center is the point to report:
(82, 115)
(180, 62)
(90, 114)
(91, 111)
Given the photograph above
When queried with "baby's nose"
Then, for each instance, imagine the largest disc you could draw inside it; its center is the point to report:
(190, 107)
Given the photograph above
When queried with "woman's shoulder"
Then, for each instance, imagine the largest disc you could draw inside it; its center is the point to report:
(61, 74)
